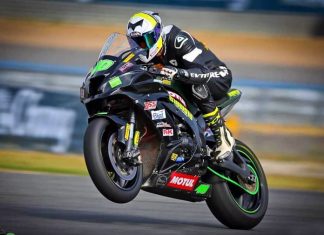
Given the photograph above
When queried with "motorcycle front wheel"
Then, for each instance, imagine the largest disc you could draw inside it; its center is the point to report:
(238, 208)
(117, 181)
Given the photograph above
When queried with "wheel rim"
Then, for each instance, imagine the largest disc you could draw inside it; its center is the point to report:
(122, 175)
(246, 202)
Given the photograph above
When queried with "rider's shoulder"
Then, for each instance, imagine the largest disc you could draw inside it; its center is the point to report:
(177, 38)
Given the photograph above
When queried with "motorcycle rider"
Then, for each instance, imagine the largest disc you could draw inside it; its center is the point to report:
(186, 59)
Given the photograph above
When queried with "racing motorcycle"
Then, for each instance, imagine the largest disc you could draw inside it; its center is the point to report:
(143, 133)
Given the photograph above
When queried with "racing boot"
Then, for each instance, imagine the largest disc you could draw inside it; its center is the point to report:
(224, 138)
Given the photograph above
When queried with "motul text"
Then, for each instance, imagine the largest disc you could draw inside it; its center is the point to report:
(182, 181)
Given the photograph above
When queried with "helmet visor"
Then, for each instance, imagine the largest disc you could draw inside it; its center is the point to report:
(148, 40)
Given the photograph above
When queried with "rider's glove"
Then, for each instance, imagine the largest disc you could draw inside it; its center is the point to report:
(175, 73)
(169, 71)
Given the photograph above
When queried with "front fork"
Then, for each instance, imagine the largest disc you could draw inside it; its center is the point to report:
(132, 154)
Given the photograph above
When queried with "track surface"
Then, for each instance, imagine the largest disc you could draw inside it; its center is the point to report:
(55, 204)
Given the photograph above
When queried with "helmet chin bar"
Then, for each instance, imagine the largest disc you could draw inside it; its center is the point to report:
(152, 52)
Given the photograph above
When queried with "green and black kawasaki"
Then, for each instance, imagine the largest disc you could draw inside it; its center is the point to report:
(144, 134)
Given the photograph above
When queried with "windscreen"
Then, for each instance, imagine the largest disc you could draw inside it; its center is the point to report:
(117, 44)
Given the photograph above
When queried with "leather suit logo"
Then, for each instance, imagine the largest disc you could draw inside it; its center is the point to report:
(179, 41)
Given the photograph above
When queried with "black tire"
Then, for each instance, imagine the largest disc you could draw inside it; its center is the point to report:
(102, 173)
(226, 200)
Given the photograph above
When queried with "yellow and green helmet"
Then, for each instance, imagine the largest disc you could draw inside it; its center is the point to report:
(146, 30)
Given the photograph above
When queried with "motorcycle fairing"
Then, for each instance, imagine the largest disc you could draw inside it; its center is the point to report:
(160, 184)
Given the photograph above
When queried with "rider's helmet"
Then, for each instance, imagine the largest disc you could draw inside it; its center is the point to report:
(145, 28)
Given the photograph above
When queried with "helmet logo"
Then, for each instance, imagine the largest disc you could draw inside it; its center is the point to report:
(135, 34)
(179, 41)
(133, 26)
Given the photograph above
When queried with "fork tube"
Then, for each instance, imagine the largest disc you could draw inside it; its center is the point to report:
(131, 131)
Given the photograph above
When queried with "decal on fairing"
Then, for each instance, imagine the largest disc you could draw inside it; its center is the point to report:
(167, 132)
(101, 65)
(148, 105)
(125, 67)
(129, 57)
(158, 114)
(202, 189)
(182, 181)
(177, 97)
(174, 157)
(166, 82)
(181, 107)
(114, 82)
(163, 125)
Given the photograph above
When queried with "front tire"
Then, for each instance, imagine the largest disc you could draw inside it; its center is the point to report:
(233, 206)
(112, 177)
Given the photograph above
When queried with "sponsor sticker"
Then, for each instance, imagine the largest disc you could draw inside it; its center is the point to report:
(136, 138)
(167, 132)
(127, 131)
(163, 125)
(166, 82)
(182, 181)
(158, 114)
(150, 105)
(181, 107)
(125, 67)
(177, 97)
(202, 189)
(174, 157)
(114, 82)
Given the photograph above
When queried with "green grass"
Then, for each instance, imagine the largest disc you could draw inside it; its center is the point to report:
(42, 162)
(74, 164)
(316, 158)
(295, 182)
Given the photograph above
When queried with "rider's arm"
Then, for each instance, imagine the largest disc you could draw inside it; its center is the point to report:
(198, 63)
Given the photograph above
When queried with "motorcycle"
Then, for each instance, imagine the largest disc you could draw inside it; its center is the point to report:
(143, 133)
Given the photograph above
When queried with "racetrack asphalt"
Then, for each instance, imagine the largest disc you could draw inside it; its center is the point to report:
(59, 204)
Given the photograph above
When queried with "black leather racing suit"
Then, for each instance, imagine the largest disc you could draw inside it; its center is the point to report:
(205, 75)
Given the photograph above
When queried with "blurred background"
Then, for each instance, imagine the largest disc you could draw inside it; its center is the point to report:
(275, 50)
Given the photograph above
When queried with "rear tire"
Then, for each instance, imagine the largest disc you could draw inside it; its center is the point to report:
(99, 148)
(234, 207)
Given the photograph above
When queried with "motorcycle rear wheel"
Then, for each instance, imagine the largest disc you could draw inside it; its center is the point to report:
(112, 177)
(233, 206)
